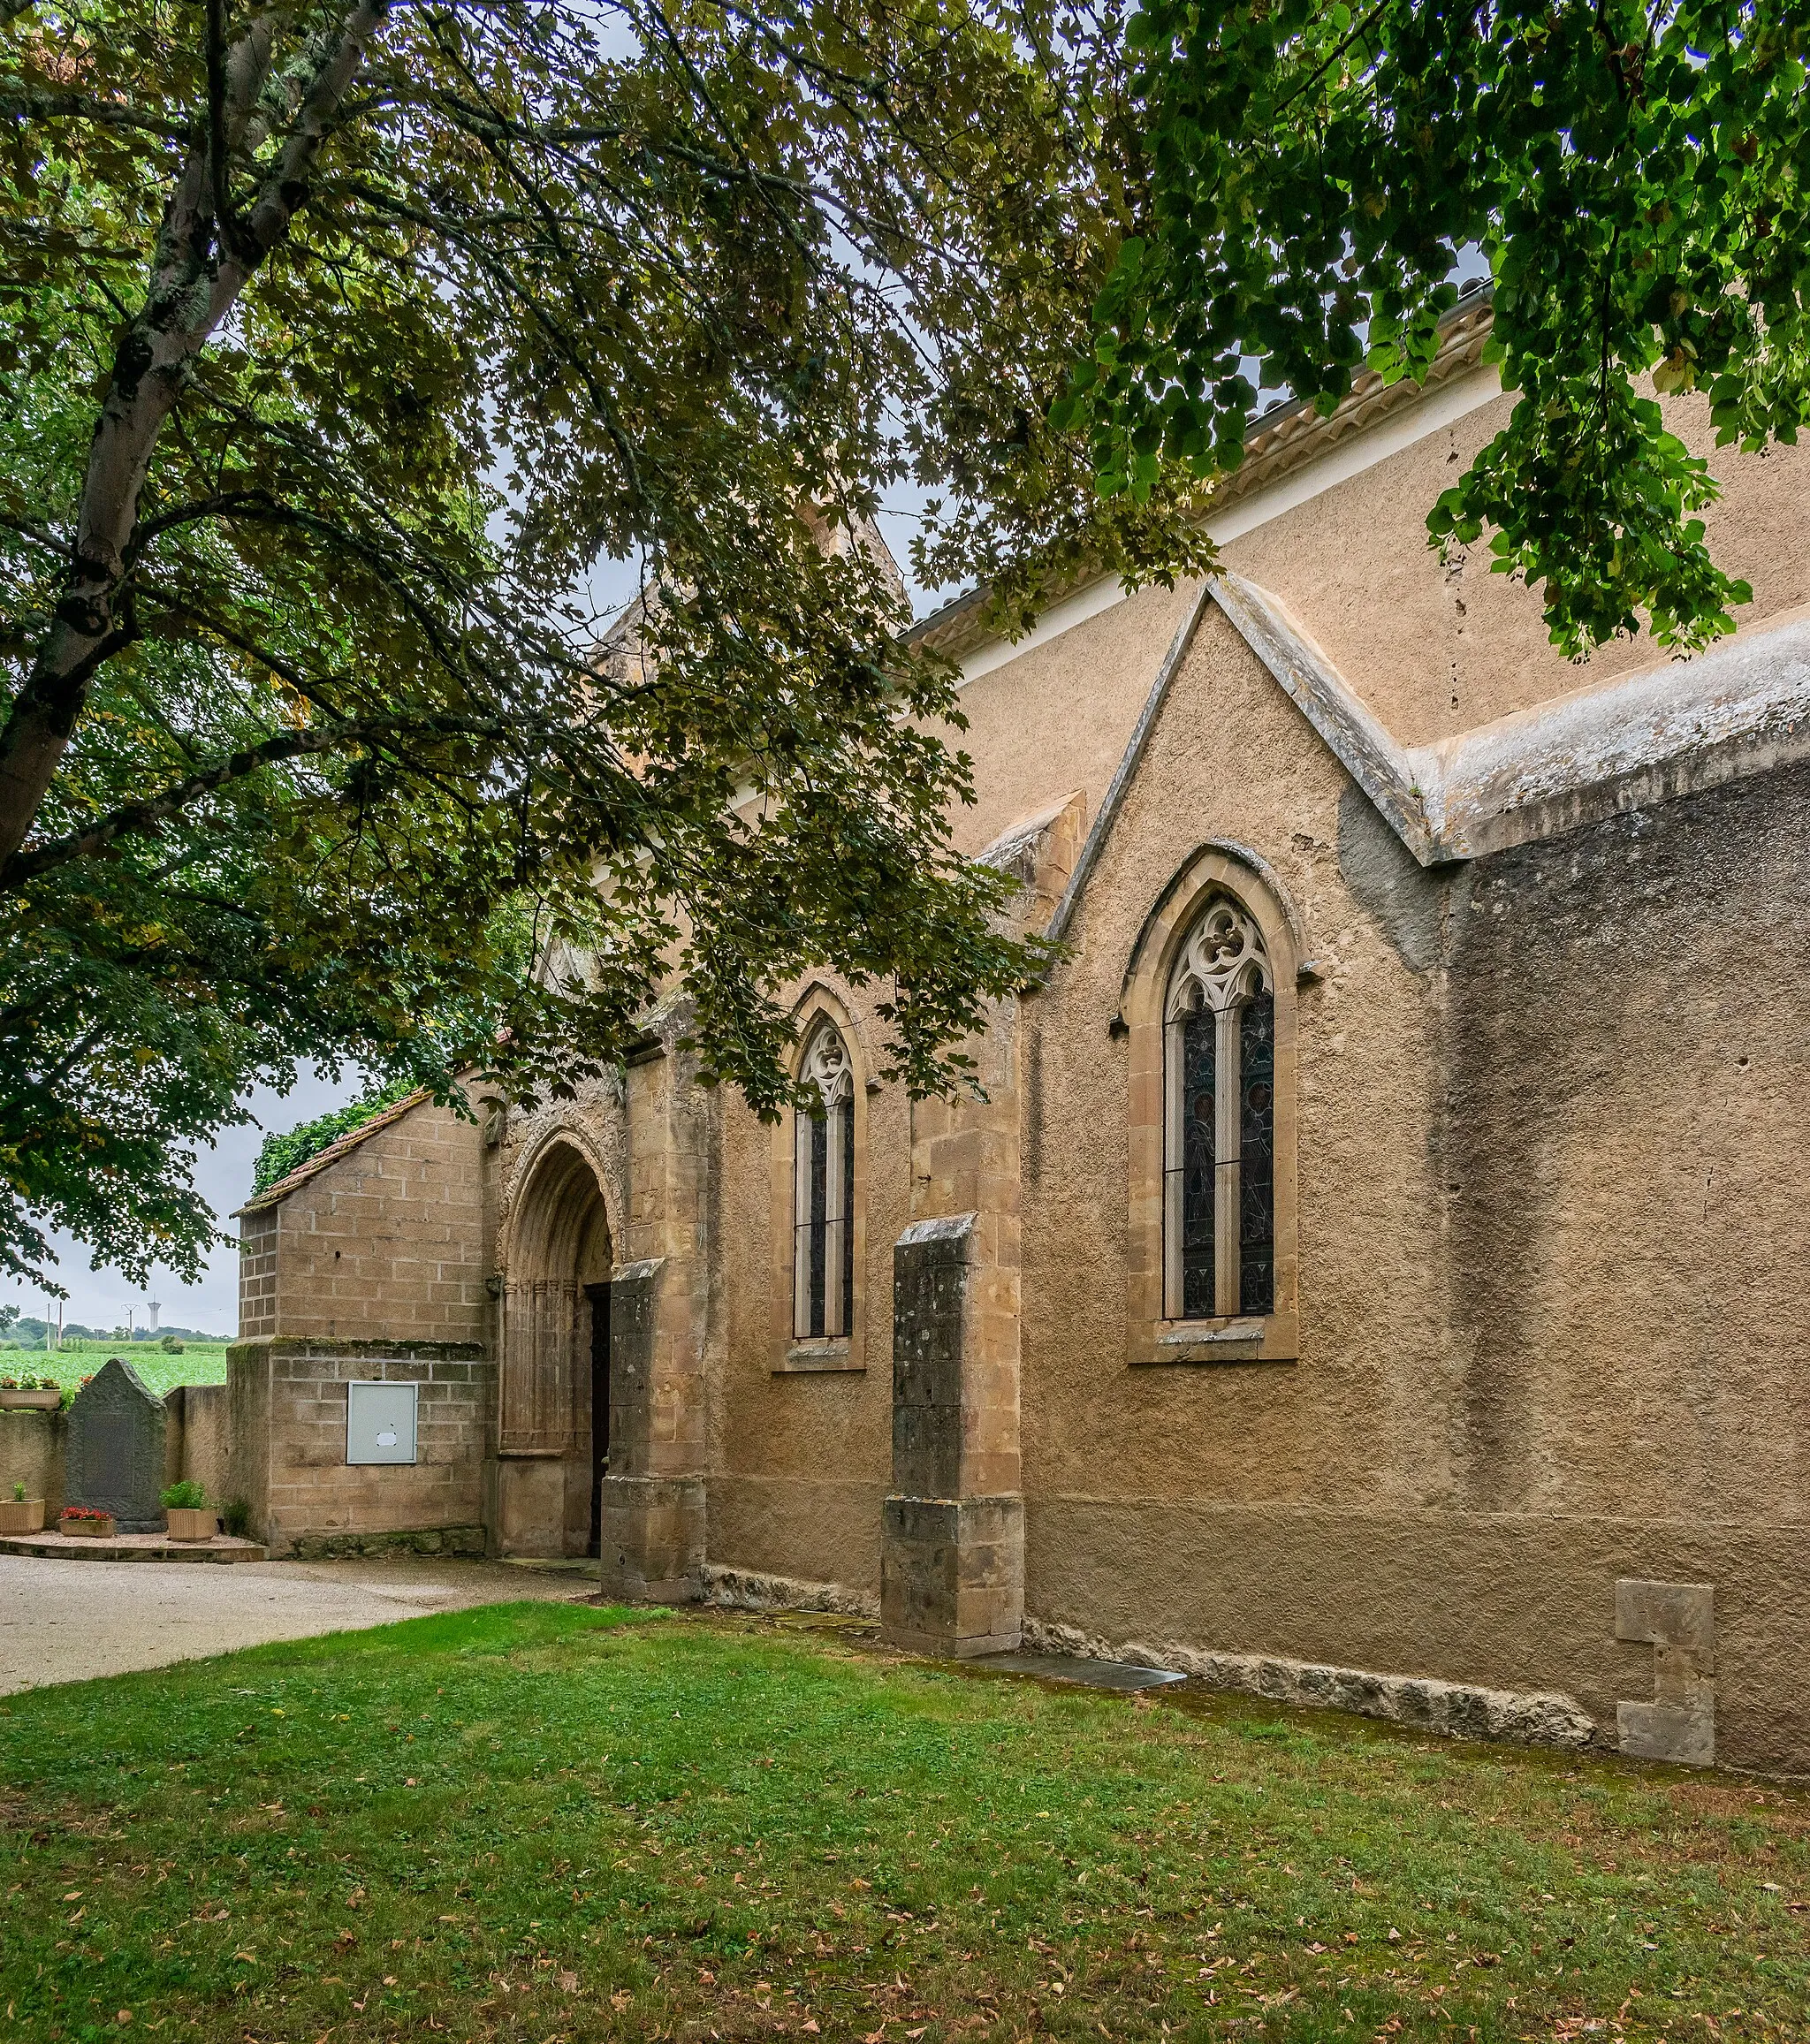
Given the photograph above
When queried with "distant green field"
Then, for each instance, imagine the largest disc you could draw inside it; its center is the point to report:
(200, 1363)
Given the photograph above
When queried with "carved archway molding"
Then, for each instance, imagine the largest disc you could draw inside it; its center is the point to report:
(557, 1240)
(820, 1000)
(1218, 865)
(522, 1191)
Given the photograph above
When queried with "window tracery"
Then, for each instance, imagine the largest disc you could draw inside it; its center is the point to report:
(822, 1270)
(1218, 1175)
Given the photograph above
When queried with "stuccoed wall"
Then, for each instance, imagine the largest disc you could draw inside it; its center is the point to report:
(1552, 1125)
(1553, 1112)
(1436, 648)
(800, 1462)
(197, 1447)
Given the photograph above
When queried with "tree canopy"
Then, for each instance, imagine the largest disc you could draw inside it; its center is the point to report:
(1637, 179)
(343, 340)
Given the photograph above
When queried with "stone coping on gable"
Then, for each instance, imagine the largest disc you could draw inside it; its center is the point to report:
(275, 1195)
(251, 1346)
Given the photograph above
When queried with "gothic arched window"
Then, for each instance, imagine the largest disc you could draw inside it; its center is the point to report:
(1219, 1083)
(823, 1239)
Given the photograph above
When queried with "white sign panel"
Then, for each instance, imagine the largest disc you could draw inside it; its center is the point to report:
(380, 1422)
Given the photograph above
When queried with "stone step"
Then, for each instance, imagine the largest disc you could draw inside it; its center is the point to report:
(130, 1547)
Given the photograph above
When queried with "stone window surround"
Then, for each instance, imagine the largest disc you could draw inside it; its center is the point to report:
(1223, 967)
(1150, 1338)
(788, 1354)
(825, 1067)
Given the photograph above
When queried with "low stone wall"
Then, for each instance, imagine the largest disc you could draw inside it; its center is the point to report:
(468, 1541)
(195, 1446)
(32, 1446)
(286, 1427)
(31, 1453)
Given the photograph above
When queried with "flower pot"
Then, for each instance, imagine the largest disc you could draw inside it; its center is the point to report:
(25, 1515)
(191, 1522)
(30, 1401)
(101, 1529)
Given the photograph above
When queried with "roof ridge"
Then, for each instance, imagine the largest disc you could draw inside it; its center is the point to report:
(1288, 435)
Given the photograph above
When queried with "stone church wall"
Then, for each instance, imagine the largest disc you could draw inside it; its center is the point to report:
(1535, 1441)
(374, 1264)
(387, 1240)
(1552, 1118)
(287, 1403)
(800, 1458)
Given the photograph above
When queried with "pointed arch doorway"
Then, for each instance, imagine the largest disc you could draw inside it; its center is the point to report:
(554, 1400)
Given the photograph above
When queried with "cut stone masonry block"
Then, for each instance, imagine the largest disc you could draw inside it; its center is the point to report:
(952, 1549)
(651, 1528)
(952, 1575)
(1677, 1620)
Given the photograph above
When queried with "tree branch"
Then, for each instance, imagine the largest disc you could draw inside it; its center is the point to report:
(150, 369)
(147, 818)
(218, 161)
(46, 106)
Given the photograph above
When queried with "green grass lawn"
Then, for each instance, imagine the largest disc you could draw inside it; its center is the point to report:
(200, 1363)
(555, 1822)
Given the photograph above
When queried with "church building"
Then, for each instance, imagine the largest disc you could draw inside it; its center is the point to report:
(1375, 1273)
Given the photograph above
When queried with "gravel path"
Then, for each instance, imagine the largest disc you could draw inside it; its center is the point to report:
(66, 1621)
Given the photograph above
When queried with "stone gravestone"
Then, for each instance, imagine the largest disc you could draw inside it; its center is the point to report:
(115, 1454)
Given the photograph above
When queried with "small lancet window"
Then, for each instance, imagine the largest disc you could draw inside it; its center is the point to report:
(1218, 1175)
(823, 1253)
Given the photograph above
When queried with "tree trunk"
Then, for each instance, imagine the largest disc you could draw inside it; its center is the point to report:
(200, 267)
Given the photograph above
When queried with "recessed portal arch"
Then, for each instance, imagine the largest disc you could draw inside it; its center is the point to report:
(552, 1433)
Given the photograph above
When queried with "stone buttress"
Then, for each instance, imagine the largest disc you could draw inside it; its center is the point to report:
(651, 1522)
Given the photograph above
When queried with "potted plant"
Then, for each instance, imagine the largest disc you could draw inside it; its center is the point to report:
(85, 1523)
(21, 1514)
(30, 1394)
(186, 1512)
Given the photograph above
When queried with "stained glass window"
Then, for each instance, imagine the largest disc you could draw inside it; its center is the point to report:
(819, 1221)
(848, 1218)
(1220, 1170)
(1198, 1162)
(1257, 1142)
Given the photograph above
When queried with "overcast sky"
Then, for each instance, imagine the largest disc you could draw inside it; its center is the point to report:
(223, 1177)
